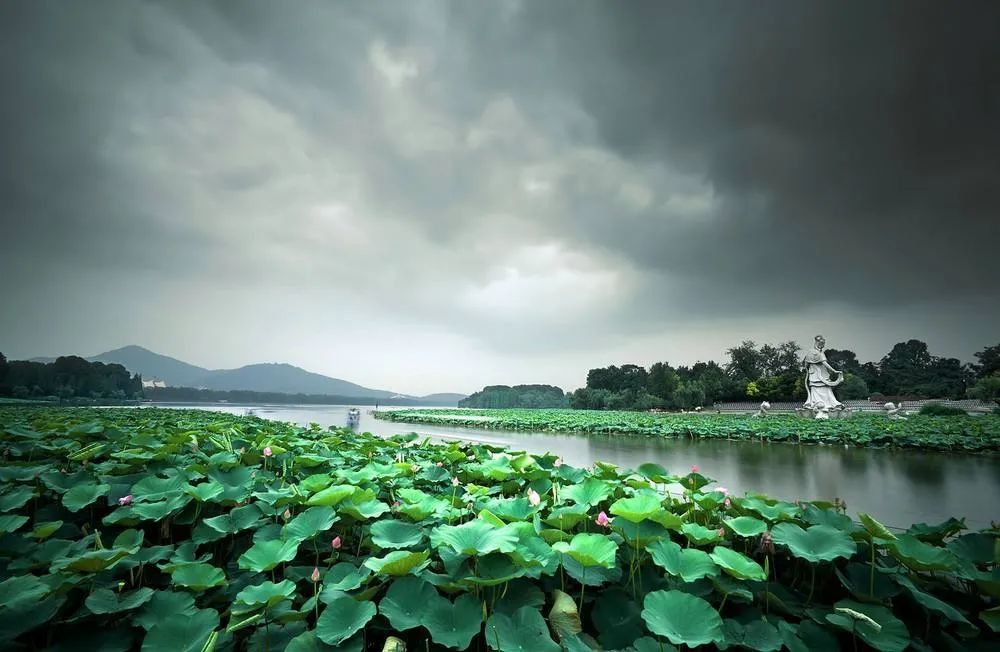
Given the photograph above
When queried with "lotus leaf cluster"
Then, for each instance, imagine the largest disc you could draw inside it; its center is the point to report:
(175, 530)
(961, 433)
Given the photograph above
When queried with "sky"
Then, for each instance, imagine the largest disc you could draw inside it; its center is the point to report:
(436, 196)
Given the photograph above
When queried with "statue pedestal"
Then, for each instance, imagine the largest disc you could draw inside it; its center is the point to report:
(807, 413)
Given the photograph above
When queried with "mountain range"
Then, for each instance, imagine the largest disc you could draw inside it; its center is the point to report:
(264, 377)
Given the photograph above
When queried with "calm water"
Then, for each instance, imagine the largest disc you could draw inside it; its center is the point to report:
(897, 487)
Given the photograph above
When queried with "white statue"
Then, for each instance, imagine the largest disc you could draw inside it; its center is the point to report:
(762, 412)
(894, 411)
(819, 381)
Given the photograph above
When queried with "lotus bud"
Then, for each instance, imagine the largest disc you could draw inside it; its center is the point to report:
(336, 543)
(287, 515)
(722, 533)
(454, 482)
(558, 462)
(694, 468)
(439, 464)
(534, 498)
(603, 520)
(267, 451)
(124, 501)
(727, 503)
(315, 574)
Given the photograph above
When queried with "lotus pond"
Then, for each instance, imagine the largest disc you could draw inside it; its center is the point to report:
(184, 530)
(962, 433)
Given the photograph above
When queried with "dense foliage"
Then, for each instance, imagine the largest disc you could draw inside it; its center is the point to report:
(196, 531)
(953, 433)
(67, 377)
(518, 396)
(773, 373)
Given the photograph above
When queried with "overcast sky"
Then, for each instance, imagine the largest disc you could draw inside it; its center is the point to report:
(434, 196)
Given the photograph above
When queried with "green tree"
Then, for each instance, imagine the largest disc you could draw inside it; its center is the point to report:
(853, 388)
(745, 361)
(987, 388)
(752, 391)
(689, 395)
(662, 381)
(989, 361)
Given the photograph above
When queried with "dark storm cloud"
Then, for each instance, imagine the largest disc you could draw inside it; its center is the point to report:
(530, 176)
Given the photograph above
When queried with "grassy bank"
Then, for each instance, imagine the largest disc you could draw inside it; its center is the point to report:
(952, 433)
(185, 530)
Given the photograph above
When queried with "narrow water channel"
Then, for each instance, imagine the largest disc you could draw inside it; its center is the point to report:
(897, 487)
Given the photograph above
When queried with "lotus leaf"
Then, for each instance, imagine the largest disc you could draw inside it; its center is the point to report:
(689, 564)
(638, 508)
(682, 618)
(396, 534)
(399, 562)
(525, 631)
(342, 618)
(198, 577)
(310, 523)
(737, 564)
(345, 577)
(265, 555)
(746, 526)
(454, 624)
(815, 544)
(590, 492)
(81, 495)
(474, 537)
(182, 633)
(407, 602)
(873, 623)
(267, 594)
(921, 556)
(332, 495)
(589, 550)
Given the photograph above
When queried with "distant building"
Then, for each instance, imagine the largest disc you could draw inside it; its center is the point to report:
(155, 383)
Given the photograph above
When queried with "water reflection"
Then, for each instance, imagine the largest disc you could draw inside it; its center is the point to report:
(897, 487)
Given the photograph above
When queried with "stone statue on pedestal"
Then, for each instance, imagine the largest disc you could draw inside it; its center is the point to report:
(820, 381)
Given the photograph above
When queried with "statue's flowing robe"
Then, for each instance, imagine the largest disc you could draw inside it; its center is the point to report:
(819, 384)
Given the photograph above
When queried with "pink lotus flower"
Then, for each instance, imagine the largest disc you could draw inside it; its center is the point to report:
(558, 462)
(267, 451)
(124, 501)
(727, 503)
(287, 514)
(603, 520)
(440, 464)
(336, 543)
(534, 498)
(694, 468)
(723, 491)
(722, 533)
(315, 574)
(454, 482)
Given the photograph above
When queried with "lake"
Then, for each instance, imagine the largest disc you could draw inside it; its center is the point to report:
(897, 487)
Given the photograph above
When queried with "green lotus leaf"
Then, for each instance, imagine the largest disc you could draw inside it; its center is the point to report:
(332, 495)
(310, 523)
(815, 544)
(198, 577)
(82, 495)
(154, 488)
(342, 618)
(106, 601)
(746, 526)
(930, 602)
(11, 523)
(399, 562)
(779, 511)
(755, 635)
(475, 537)
(512, 509)
(654, 472)
(567, 517)
(682, 618)
(345, 577)
(649, 644)
(22, 590)
(15, 498)
(162, 605)
(873, 623)
(91, 562)
(267, 594)
(525, 631)
(45, 530)
(396, 534)
(590, 492)
(589, 550)
(737, 564)
(638, 508)
(309, 642)
(407, 601)
(454, 624)
(182, 633)
(28, 616)
(991, 617)
(976, 547)
(205, 491)
(700, 535)
(689, 564)
(874, 528)
(161, 509)
(265, 555)
(920, 556)
(236, 520)
(363, 510)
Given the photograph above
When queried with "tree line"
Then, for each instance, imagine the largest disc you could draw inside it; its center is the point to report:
(67, 377)
(773, 373)
(518, 396)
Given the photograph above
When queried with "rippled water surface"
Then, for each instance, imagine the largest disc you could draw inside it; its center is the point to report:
(897, 487)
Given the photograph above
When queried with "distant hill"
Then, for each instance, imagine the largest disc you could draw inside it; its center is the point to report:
(442, 398)
(268, 377)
